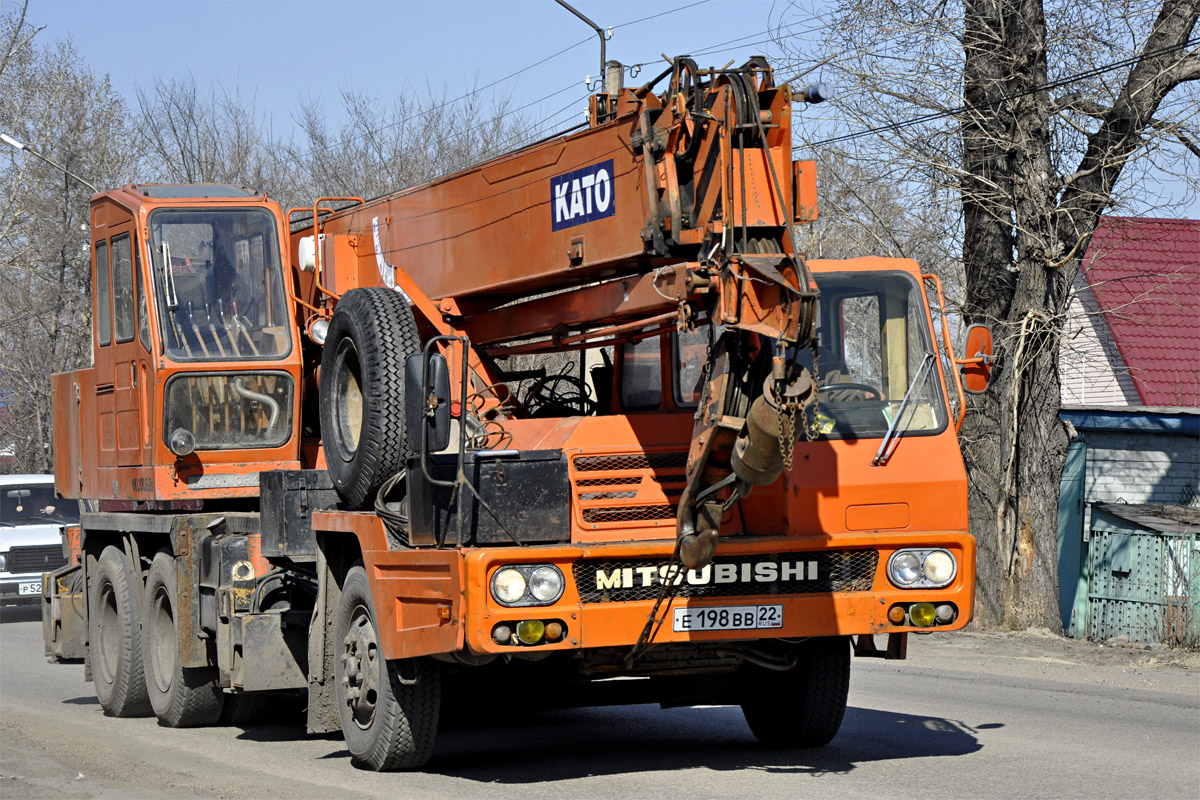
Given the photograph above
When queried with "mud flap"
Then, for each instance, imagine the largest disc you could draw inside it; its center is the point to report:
(64, 614)
(897, 647)
(273, 656)
(322, 697)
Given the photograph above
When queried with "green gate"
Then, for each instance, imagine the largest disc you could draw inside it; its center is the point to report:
(1145, 574)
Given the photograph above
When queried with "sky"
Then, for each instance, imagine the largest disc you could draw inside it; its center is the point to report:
(276, 53)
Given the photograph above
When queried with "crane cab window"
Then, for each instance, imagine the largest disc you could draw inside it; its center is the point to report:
(103, 304)
(219, 284)
(641, 374)
(874, 350)
(642, 364)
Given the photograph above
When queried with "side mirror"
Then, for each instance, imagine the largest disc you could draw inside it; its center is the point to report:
(977, 359)
(427, 398)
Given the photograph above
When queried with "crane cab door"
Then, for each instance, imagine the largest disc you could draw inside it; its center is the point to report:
(120, 367)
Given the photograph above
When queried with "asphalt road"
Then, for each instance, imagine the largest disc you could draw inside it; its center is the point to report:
(972, 716)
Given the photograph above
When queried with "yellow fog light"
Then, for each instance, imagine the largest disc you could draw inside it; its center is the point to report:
(921, 614)
(531, 631)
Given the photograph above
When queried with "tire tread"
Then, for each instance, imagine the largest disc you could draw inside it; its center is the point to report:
(382, 327)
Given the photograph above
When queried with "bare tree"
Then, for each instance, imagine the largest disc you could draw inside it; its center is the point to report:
(192, 135)
(56, 104)
(384, 148)
(1037, 117)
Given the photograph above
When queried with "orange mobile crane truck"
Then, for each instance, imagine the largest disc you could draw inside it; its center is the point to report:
(580, 412)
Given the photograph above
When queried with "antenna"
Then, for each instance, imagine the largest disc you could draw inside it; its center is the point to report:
(21, 146)
(595, 27)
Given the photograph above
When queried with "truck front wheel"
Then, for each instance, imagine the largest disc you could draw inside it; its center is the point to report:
(116, 647)
(802, 706)
(181, 697)
(389, 709)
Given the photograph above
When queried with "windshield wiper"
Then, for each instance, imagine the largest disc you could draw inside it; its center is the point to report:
(892, 437)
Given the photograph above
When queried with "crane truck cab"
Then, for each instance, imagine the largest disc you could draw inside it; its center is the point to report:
(580, 412)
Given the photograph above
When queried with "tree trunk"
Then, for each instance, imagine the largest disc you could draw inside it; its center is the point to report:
(1025, 232)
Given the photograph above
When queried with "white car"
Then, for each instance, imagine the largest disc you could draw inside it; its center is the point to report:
(31, 541)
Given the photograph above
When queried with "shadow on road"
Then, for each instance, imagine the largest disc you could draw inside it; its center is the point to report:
(30, 613)
(630, 739)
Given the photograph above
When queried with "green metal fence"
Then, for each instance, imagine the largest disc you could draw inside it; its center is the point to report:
(1145, 574)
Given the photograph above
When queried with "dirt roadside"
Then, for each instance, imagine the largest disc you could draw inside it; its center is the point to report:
(1049, 655)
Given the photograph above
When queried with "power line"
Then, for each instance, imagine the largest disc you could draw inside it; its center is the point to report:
(511, 75)
(1055, 84)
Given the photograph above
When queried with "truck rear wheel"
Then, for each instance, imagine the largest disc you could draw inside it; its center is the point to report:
(116, 647)
(389, 709)
(362, 391)
(181, 697)
(802, 706)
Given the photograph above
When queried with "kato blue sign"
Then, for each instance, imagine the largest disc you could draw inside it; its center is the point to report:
(583, 195)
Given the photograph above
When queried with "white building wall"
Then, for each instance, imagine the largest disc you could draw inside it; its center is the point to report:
(1091, 371)
(1138, 467)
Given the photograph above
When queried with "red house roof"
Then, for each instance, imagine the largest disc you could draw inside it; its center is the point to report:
(1145, 276)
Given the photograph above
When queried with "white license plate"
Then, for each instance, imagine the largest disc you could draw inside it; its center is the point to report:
(728, 618)
(33, 587)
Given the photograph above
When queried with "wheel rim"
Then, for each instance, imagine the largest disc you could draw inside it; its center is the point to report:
(362, 668)
(162, 640)
(109, 645)
(347, 400)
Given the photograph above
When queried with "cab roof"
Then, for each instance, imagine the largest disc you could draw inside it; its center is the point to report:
(192, 190)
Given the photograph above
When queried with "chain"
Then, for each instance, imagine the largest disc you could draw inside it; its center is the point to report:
(787, 433)
(789, 411)
(810, 431)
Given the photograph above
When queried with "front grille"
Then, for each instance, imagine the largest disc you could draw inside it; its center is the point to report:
(623, 488)
(628, 513)
(39, 558)
(624, 461)
(601, 581)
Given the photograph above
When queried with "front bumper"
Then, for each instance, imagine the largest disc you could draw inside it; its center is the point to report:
(815, 601)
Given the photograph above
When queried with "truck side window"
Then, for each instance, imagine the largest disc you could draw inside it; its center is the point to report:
(641, 374)
(122, 279)
(690, 352)
(103, 306)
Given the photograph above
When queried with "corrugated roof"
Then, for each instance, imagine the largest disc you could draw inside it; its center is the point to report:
(1145, 276)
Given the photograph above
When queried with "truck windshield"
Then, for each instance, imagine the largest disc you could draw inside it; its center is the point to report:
(219, 284)
(35, 504)
(873, 339)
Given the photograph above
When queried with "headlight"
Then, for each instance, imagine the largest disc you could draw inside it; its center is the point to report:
(905, 569)
(546, 584)
(508, 586)
(939, 568)
(527, 585)
(922, 568)
(3, 562)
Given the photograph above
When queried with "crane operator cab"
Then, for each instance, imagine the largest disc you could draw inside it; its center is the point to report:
(195, 362)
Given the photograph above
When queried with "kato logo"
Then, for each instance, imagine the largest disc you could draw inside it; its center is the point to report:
(583, 195)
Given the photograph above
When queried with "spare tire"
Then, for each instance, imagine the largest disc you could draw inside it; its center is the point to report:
(362, 391)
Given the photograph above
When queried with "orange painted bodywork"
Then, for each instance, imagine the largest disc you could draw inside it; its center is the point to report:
(473, 252)
(834, 498)
(108, 431)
